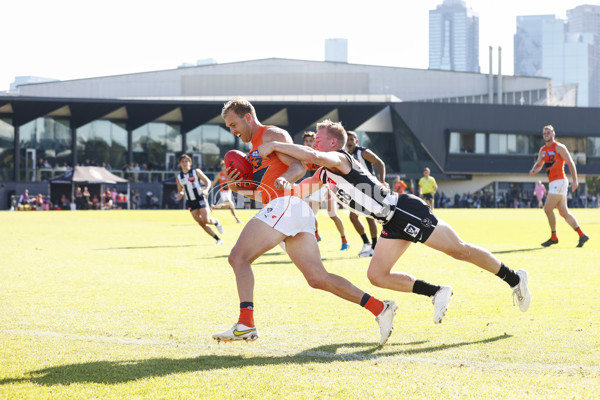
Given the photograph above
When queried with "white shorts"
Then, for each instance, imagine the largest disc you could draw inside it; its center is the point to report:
(320, 195)
(289, 215)
(559, 186)
(225, 196)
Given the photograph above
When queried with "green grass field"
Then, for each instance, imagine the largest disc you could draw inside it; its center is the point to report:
(101, 304)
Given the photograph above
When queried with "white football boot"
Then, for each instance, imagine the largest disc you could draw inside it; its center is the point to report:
(385, 319)
(440, 301)
(237, 332)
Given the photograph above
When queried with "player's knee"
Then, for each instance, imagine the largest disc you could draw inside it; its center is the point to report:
(376, 278)
(317, 281)
(236, 258)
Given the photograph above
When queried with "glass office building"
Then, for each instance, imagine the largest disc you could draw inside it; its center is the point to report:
(454, 37)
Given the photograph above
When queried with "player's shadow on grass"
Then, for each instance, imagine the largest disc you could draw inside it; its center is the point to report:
(118, 372)
(147, 247)
(517, 250)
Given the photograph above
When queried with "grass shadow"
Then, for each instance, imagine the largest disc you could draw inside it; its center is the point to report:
(517, 250)
(118, 372)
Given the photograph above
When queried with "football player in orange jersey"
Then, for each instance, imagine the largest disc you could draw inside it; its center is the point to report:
(552, 157)
(224, 192)
(284, 217)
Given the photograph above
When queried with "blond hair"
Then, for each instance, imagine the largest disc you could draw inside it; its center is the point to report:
(335, 130)
(240, 106)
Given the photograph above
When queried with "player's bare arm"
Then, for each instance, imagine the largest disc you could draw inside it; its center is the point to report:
(538, 164)
(296, 168)
(374, 159)
(179, 190)
(309, 185)
(564, 153)
(331, 160)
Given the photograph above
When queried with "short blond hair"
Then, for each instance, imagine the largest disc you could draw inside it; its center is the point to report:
(335, 130)
(240, 106)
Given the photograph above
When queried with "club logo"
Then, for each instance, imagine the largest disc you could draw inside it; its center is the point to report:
(426, 222)
(412, 230)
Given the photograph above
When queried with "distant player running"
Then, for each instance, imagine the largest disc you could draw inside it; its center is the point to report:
(405, 218)
(224, 192)
(188, 185)
(284, 217)
(552, 158)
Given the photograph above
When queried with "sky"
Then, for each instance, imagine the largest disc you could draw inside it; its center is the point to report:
(73, 39)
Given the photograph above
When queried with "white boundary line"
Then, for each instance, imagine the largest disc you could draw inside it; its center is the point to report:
(407, 359)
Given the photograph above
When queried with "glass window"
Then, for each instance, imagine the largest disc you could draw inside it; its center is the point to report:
(7, 149)
(212, 142)
(466, 142)
(151, 143)
(593, 146)
(51, 140)
(102, 143)
(510, 143)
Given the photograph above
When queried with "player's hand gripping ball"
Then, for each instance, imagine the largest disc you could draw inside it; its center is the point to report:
(235, 159)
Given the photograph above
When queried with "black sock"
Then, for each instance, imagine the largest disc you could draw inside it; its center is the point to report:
(364, 238)
(508, 275)
(216, 237)
(374, 242)
(364, 299)
(424, 288)
(247, 304)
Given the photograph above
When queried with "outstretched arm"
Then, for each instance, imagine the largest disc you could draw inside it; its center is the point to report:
(332, 160)
(538, 164)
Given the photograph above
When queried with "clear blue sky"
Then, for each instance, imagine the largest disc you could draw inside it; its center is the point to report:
(70, 39)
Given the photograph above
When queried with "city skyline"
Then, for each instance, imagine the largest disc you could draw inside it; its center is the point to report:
(60, 40)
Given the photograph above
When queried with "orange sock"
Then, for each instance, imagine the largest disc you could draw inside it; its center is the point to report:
(317, 234)
(374, 305)
(579, 232)
(554, 237)
(246, 317)
(344, 239)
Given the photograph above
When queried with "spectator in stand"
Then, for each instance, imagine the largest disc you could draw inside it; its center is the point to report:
(399, 185)
(87, 203)
(24, 199)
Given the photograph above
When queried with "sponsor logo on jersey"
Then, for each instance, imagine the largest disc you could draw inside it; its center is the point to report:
(412, 230)
(254, 153)
(191, 179)
(384, 232)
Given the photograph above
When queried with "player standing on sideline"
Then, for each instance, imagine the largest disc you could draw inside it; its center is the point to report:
(428, 187)
(315, 199)
(405, 218)
(366, 158)
(399, 185)
(552, 157)
(224, 192)
(188, 184)
(284, 217)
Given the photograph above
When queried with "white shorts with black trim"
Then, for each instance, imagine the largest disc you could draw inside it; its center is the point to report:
(289, 215)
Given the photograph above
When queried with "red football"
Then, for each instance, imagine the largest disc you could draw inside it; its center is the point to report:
(237, 160)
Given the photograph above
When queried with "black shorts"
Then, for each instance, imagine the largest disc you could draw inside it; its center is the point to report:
(195, 204)
(428, 196)
(412, 220)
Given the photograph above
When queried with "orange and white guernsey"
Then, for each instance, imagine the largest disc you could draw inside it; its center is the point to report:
(554, 164)
(223, 182)
(266, 170)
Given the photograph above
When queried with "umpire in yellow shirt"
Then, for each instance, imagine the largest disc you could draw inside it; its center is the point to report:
(427, 187)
